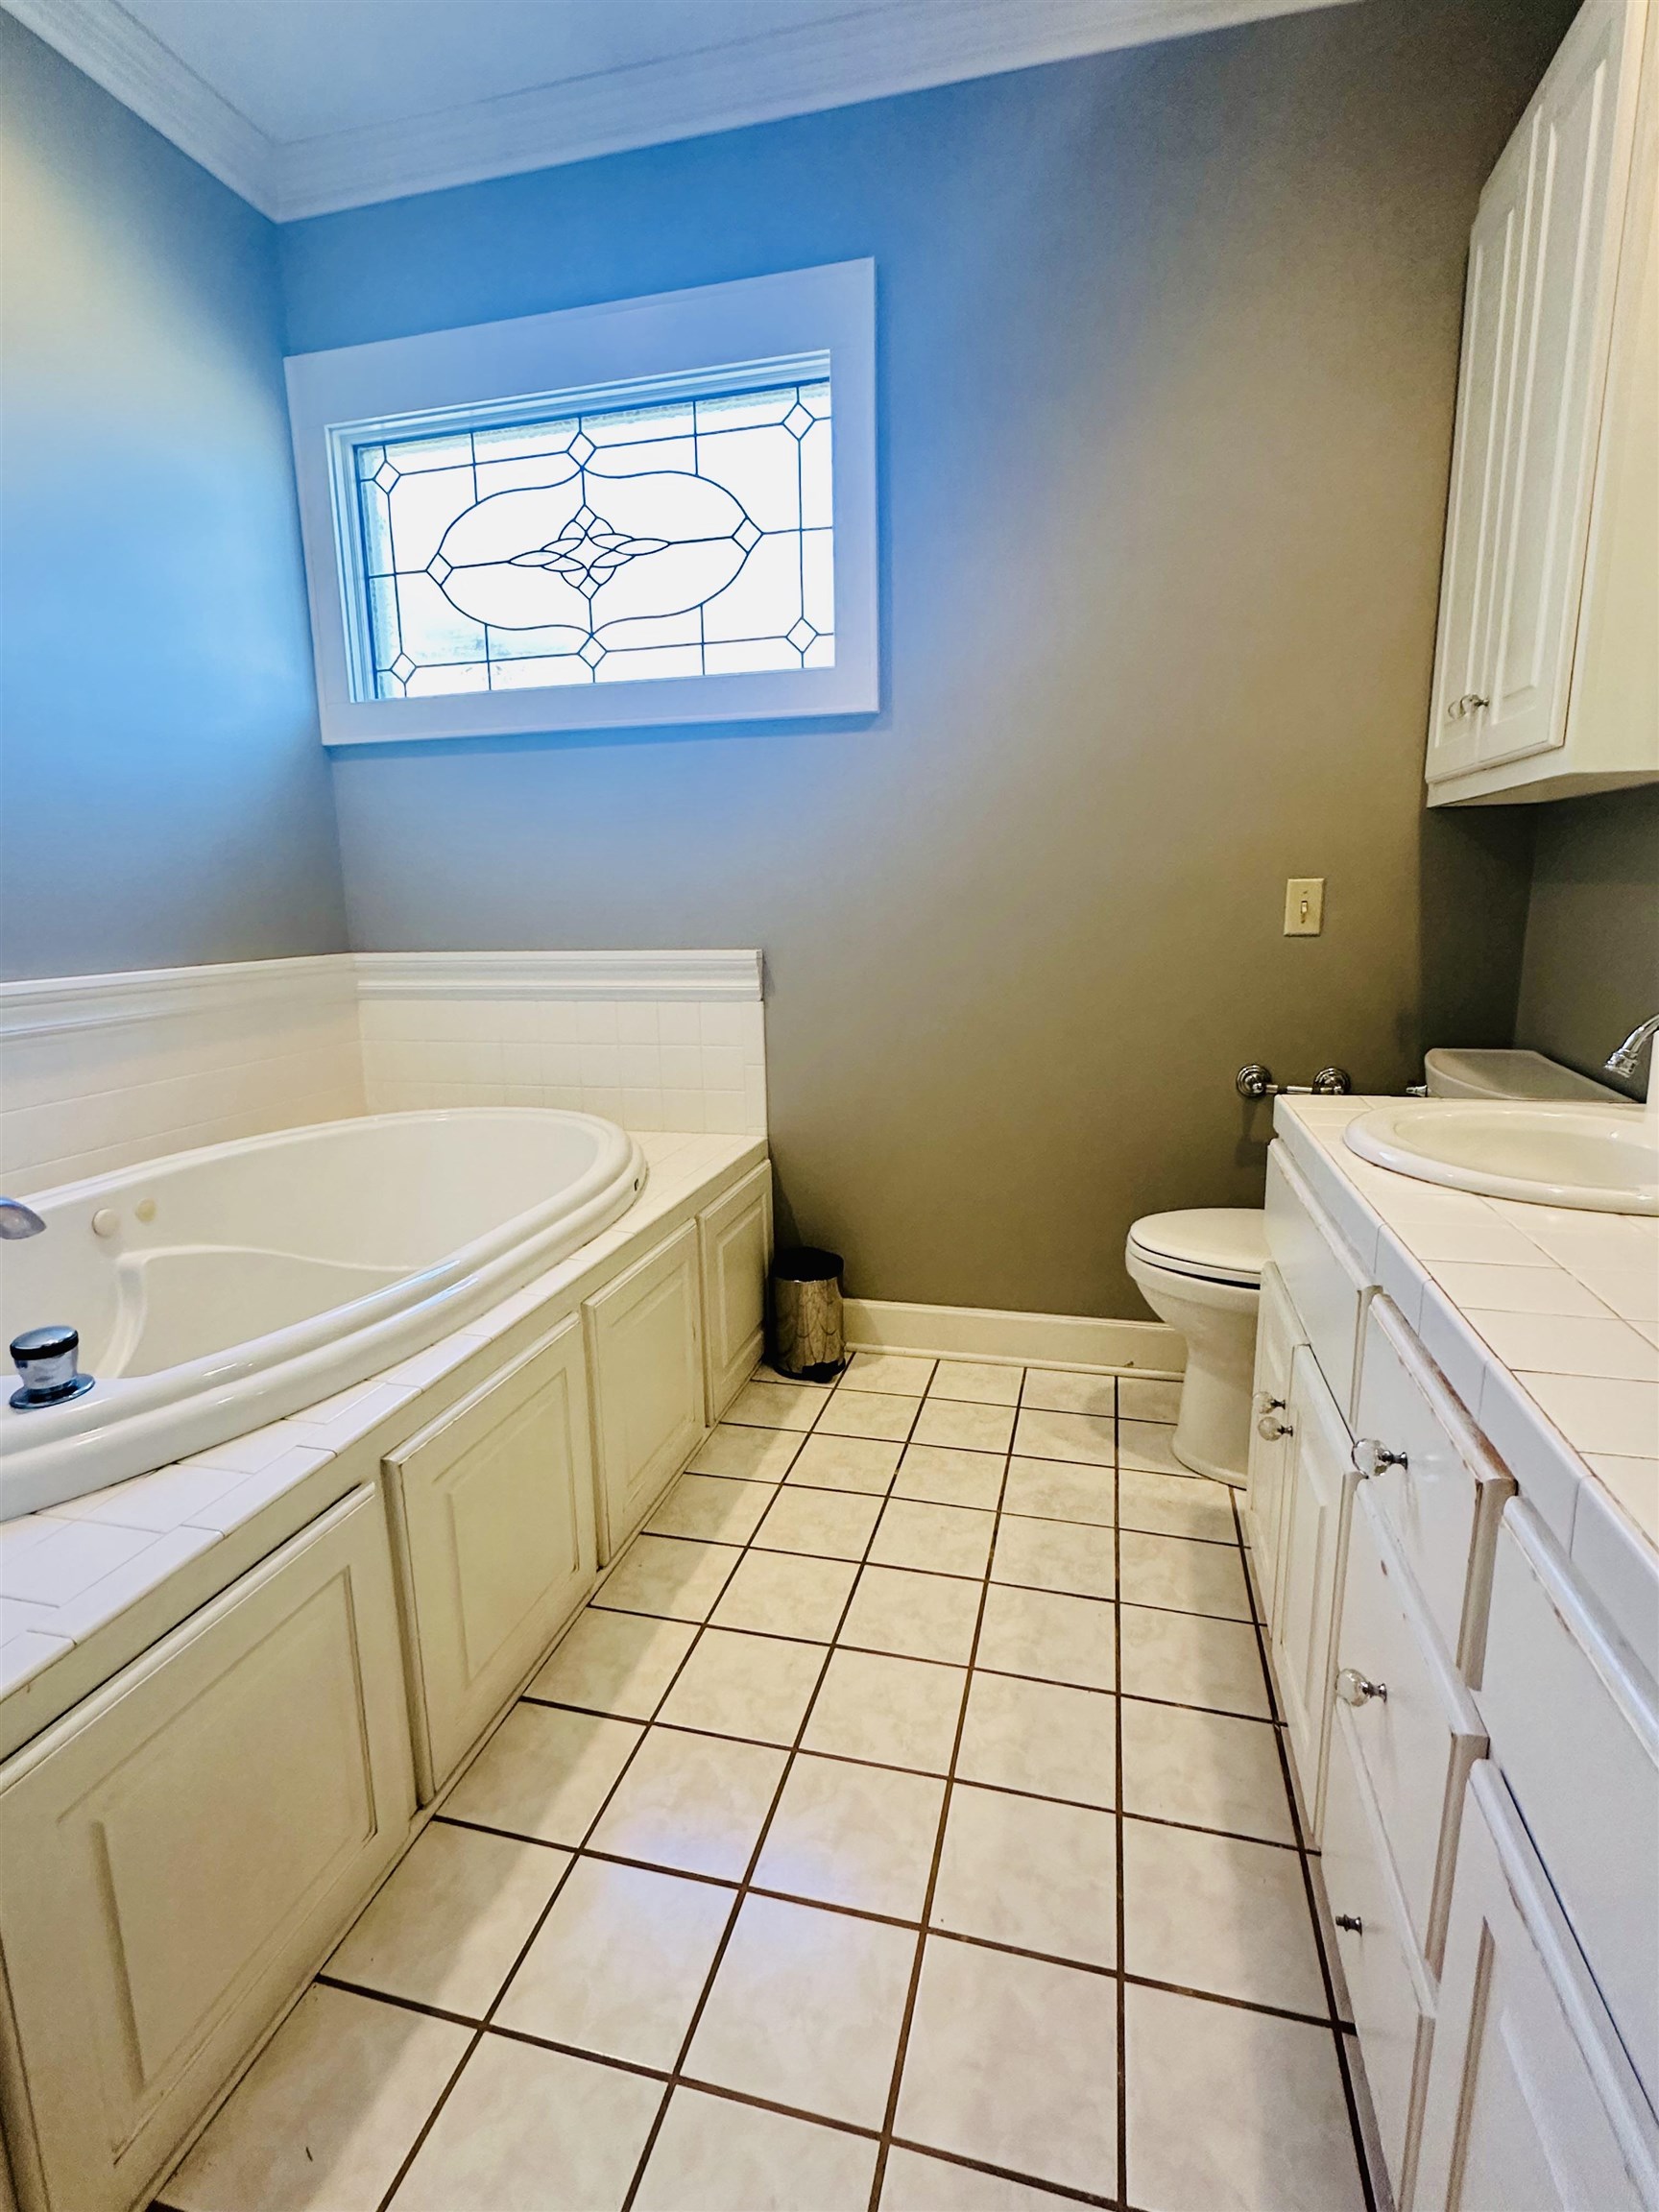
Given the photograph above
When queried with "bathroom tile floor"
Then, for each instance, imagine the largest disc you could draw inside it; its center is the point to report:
(903, 1825)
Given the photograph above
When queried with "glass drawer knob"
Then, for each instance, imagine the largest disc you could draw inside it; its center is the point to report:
(1371, 1456)
(1356, 1689)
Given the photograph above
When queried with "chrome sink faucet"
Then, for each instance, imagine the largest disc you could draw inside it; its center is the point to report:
(17, 1221)
(1622, 1061)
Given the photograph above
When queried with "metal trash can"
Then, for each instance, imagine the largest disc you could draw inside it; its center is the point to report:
(808, 1340)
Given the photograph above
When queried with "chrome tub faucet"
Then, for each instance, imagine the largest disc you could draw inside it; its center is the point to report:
(1623, 1059)
(17, 1221)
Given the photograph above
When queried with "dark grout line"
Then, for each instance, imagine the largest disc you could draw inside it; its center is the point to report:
(1123, 2052)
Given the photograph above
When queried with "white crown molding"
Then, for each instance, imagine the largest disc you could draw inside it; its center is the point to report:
(558, 974)
(128, 61)
(55, 1004)
(868, 54)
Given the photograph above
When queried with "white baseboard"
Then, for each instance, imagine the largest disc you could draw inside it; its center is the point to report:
(979, 1332)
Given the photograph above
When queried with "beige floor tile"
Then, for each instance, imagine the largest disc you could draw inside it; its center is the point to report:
(1056, 1555)
(1146, 1444)
(695, 1802)
(1042, 1737)
(327, 2113)
(917, 2183)
(614, 1663)
(1010, 2060)
(894, 1712)
(544, 1772)
(939, 1475)
(965, 1426)
(739, 1685)
(448, 1927)
(846, 1463)
(781, 1594)
(903, 1374)
(1053, 1390)
(1052, 1490)
(668, 1575)
(1055, 1638)
(1085, 1437)
(1275, 2124)
(1176, 1505)
(1189, 1660)
(525, 2128)
(748, 1454)
(913, 1615)
(712, 1507)
(1184, 1576)
(1149, 1398)
(714, 2156)
(620, 1963)
(805, 2010)
(1210, 1912)
(938, 1539)
(1040, 1876)
(1209, 1770)
(855, 1836)
(868, 1413)
(983, 1382)
(776, 1406)
(830, 1524)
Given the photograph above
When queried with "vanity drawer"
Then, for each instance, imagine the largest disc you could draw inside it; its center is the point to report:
(1278, 1334)
(1329, 1291)
(1413, 1723)
(1436, 1481)
(1390, 1998)
(1576, 1736)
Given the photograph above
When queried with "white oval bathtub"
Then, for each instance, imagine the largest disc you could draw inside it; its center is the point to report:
(226, 1288)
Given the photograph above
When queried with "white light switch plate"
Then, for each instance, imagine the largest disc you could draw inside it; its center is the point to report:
(1304, 905)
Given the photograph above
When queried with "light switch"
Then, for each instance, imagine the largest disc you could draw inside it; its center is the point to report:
(1304, 905)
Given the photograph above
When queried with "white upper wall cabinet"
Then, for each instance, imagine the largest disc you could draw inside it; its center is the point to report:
(1547, 670)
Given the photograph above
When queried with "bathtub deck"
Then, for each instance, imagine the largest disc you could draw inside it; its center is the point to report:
(801, 1876)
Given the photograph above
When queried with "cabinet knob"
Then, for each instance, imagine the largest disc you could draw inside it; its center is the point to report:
(1370, 1456)
(1270, 1428)
(1352, 1922)
(1356, 1689)
(1470, 703)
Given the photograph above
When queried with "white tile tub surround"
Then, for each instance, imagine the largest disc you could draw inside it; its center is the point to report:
(100, 1071)
(652, 1040)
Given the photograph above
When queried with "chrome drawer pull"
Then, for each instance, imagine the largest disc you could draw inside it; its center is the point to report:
(1355, 1688)
(1370, 1456)
(1352, 1922)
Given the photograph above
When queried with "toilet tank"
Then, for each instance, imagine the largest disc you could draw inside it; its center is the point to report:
(1454, 1073)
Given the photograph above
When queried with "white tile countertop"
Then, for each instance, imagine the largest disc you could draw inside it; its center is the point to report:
(66, 1575)
(1545, 1323)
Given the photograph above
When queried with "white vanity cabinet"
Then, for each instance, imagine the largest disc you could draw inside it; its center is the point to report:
(493, 1504)
(1545, 679)
(735, 1239)
(1530, 2101)
(645, 1363)
(1319, 1492)
(181, 1850)
(1278, 1334)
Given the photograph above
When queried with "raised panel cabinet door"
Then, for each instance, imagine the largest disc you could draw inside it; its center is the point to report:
(645, 1365)
(1319, 1485)
(1579, 130)
(496, 1505)
(1277, 1336)
(736, 1238)
(180, 1853)
(1531, 2103)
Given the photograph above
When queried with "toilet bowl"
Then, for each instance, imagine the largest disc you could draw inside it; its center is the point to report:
(1201, 1271)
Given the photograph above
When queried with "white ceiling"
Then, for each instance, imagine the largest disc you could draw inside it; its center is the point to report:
(304, 105)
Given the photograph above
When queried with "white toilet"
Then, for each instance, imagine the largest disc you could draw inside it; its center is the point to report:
(1201, 1271)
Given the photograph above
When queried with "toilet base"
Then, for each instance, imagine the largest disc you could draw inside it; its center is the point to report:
(1213, 1434)
(1218, 1321)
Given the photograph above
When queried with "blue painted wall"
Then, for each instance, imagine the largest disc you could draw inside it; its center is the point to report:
(165, 797)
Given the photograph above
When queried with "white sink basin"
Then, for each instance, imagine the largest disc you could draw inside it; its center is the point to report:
(1600, 1158)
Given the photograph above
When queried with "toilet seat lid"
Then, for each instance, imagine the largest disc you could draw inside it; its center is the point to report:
(1223, 1243)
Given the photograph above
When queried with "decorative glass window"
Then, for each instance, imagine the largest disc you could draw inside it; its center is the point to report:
(646, 542)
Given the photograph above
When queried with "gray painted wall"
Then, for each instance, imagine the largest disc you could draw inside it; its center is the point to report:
(166, 798)
(1169, 357)
(1591, 969)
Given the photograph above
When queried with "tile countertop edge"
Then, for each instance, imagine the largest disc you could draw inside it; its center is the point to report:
(241, 1507)
(1602, 1528)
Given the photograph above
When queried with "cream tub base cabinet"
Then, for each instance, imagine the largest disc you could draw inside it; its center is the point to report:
(179, 1853)
(645, 1365)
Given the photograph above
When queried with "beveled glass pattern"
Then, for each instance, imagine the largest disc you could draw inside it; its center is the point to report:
(691, 537)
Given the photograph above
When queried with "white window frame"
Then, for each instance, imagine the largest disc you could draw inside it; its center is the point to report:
(617, 354)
